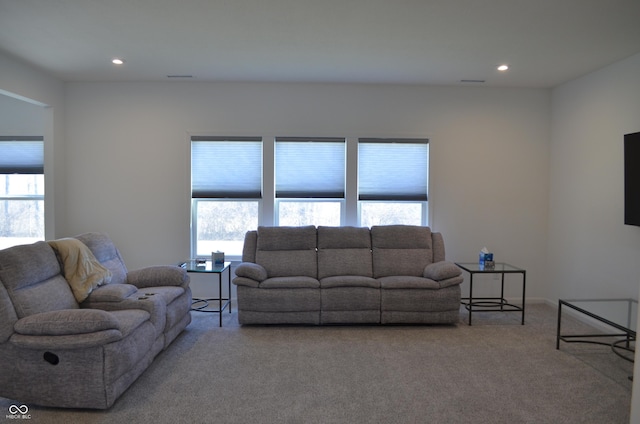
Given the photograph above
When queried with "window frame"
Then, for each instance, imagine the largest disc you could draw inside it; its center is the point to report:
(26, 166)
(424, 212)
(399, 199)
(194, 222)
(220, 196)
(350, 209)
(300, 195)
(279, 201)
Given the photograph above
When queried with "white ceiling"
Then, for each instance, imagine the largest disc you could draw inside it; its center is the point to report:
(546, 42)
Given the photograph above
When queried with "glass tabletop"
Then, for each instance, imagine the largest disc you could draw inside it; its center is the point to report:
(197, 265)
(622, 312)
(498, 267)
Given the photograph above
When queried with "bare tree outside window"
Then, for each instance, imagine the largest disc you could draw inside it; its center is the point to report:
(390, 213)
(222, 225)
(22, 206)
(292, 213)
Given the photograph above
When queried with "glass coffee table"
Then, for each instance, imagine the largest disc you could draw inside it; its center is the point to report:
(617, 317)
(202, 305)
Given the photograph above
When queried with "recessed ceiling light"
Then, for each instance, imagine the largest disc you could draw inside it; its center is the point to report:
(503, 68)
(117, 61)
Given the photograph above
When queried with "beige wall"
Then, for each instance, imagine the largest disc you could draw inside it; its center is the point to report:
(536, 175)
(18, 117)
(128, 156)
(22, 82)
(591, 252)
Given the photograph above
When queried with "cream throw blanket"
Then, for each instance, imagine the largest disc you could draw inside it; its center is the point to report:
(81, 269)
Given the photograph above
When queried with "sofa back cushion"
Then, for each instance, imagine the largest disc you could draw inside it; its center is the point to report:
(438, 247)
(400, 250)
(344, 251)
(32, 279)
(106, 252)
(8, 315)
(249, 246)
(287, 251)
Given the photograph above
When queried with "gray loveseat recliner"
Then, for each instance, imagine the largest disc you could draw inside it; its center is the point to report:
(393, 274)
(55, 351)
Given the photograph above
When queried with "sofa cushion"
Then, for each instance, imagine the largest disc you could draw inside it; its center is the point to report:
(400, 250)
(106, 252)
(288, 251)
(332, 262)
(287, 238)
(390, 262)
(344, 251)
(34, 289)
(438, 247)
(67, 321)
(289, 263)
(408, 282)
(249, 246)
(80, 267)
(130, 319)
(344, 238)
(7, 315)
(349, 281)
(401, 237)
(296, 282)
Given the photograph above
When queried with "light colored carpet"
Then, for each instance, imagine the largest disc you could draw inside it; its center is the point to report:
(496, 371)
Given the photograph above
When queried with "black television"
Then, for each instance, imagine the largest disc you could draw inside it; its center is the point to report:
(632, 179)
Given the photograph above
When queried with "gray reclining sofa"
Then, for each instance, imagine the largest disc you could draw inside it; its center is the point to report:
(393, 274)
(57, 351)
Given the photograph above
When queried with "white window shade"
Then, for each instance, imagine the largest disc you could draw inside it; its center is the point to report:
(21, 155)
(393, 169)
(310, 167)
(229, 167)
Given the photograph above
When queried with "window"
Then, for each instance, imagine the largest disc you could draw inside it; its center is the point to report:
(304, 212)
(226, 191)
(239, 183)
(392, 181)
(309, 180)
(21, 190)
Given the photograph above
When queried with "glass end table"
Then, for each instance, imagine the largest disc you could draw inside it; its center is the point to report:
(207, 267)
(492, 304)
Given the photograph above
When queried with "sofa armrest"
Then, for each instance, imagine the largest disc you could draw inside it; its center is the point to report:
(161, 275)
(252, 271)
(117, 297)
(66, 342)
(249, 274)
(66, 322)
(442, 270)
(137, 301)
(247, 282)
(110, 293)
